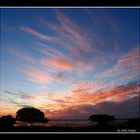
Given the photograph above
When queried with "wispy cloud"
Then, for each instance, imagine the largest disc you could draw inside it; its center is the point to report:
(85, 87)
(72, 29)
(35, 33)
(78, 60)
(68, 30)
(47, 51)
(22, 55)
(100, 19)
(83, 105)
(77, 40)
(119, 110)
(126, 64)
(81, 43)
(86, 96)
(57, 104)
(58, 63)
(36, 76)
(13, 100)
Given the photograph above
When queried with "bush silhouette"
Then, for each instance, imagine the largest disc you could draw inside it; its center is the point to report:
(7, 121)
(30, 115)
(101, 119)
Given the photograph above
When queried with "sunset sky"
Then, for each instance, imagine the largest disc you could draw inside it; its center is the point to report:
(69, 62)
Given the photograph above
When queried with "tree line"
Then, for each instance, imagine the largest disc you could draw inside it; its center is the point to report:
(33, 115)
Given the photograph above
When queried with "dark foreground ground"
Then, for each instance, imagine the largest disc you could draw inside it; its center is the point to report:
(95, 128)
(132, 125)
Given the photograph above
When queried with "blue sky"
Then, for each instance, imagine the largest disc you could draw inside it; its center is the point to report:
(57, 59)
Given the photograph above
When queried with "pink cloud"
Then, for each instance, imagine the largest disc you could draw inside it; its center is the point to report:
(48, 50)
(127, 64)
(117, 94)
(119, 110)
(75, 39)
(37, 76)
(68, 64)
(57, 104)
(131, 57)
(68, 99)
(70, 34)
(85, 87)
(58, 63)
(70, 27)
(35, 33)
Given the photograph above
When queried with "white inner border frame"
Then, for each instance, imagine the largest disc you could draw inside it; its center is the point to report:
(72, 7)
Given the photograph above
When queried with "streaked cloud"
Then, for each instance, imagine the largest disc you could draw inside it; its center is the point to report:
(22, 55)
(35, 33)
(36, 76)
(69, 62)
(72, 29)
(126, 64)
(119, 110)
(85, 96)
(58, 63)
(46, 50)
(85, 87)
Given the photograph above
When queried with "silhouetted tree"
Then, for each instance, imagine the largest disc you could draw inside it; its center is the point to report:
(31, 114)
(7, 121)
(101, 119)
